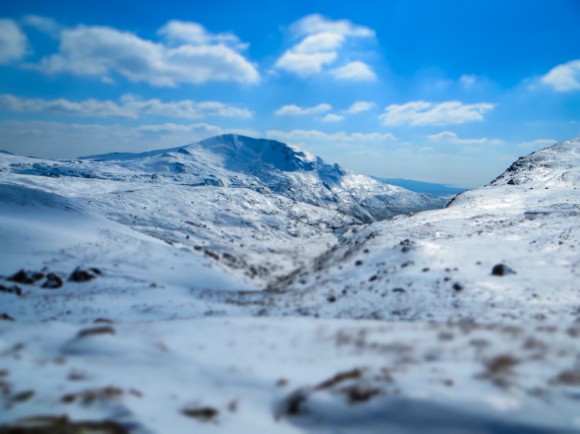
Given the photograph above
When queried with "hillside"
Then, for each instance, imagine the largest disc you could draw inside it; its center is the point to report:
(464, 319)
(257, 208)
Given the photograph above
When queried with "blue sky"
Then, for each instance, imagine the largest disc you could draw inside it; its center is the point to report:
(443, 91)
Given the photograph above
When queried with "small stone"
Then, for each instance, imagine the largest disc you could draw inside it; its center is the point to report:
(202, 413)
(79, 275)
(501, 270)
(14, 289)
(23, 396)
(53, 281)
(23, 276)
(104, 330)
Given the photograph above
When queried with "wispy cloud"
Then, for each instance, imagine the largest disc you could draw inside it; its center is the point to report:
(418, 113)
(67, 140)
(360, 106)
(537, 144)
(313, 136)
(331, 117)
(128, 106)
(13, 42)
(354, 71)
(186, 53)
(563, 78)
(321, 44)
(70, 140)
(451, 137)
(43, 24)
(295, 110)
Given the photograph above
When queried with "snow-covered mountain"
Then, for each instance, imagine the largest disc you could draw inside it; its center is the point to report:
(272, 167)
(132, 300)
(258, 207)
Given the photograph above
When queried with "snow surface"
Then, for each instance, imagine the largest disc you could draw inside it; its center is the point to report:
(407, 325)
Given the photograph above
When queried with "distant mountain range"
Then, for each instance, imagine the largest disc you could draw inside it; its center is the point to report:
(269, 167)
(422, 187)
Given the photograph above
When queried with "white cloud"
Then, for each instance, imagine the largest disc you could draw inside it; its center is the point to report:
(537, 144)
(315, 23)
(179, 32)
(171, 128)
(304, 64)
(355, 71)
(13, 43)
(360, 106)
(189, 131)
(451, 137)
(128, 106)
(321, 42)
(564, 78)
(43, 24)
(186, 109)
(103, 51)
(332, 118)
(314, 136)
(429, 113)
(69, 140)
(294, 110)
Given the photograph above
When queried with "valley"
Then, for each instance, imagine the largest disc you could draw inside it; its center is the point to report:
(243, 285)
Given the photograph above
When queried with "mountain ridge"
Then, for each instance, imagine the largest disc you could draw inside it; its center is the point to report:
(270, 166)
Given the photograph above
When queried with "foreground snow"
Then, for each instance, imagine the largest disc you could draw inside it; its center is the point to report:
(461, 320)
(293, 375)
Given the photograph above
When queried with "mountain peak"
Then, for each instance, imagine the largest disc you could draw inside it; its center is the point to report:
(239, 151)
(265, 166)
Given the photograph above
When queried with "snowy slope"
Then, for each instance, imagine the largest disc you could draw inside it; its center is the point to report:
(265, 375)
(459, 320)
(258, 207)
(437, 265)
(51, 235)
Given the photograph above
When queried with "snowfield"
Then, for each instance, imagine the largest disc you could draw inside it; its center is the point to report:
(240, 285)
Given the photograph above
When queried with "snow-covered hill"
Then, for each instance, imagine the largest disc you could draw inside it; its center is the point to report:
(139, 306)
(265, 166)
(441, 264)
(258, 207)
